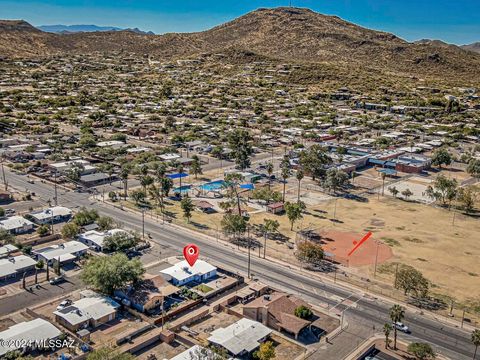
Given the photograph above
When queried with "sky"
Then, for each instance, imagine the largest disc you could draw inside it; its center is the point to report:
(454, 21)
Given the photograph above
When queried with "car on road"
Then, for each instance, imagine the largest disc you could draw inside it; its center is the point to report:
(57, 280)
(402, 327)
(64, 304)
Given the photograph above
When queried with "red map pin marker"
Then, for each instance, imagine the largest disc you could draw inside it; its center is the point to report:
(190, 253)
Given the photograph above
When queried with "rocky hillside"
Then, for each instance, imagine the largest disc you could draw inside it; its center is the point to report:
(475, 47)
(286, 34)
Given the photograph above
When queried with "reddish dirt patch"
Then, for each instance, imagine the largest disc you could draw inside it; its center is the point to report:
(340, 243)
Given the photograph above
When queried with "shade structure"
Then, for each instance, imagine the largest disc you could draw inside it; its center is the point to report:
(177, 176)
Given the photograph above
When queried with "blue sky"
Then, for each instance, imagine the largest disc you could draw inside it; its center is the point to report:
(455, 21)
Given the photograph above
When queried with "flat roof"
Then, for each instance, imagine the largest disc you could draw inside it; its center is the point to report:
(61, 250)
(94, 307)
(183, 270)
(51, 212)
(14, 222)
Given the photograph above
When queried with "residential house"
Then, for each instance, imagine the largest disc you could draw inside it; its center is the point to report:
(27, 332)
(13, 266)
(16, 225)
(94, 239)
(182, 273)
(7, 249)
(240, 338)
(91, 311)
(65, 252)
(54, 214)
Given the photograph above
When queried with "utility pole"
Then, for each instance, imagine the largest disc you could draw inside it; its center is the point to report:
(249, 244)
(4, 178)
(143, 224)
(55, 198)
(376, 260)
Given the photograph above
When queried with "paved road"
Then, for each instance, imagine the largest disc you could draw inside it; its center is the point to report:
(448, 340)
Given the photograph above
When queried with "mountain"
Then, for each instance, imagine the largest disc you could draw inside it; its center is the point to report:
(327, 46)
(475, 47)
(62, 29)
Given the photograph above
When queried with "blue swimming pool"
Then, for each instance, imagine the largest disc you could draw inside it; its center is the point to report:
(213, 186)
(182, 189)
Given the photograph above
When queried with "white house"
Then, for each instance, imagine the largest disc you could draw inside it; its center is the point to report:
(16, 225)
(37, 330)
(12, 266)
(54, 214)
(182, 273)
(94, 239)
(7, 249)
(241, 337)
(66, 252)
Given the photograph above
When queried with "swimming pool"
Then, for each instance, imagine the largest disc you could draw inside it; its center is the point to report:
(182, 189)
(213, 186)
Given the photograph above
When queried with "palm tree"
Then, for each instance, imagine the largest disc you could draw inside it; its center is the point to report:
(124, 176)
(299, 178)
(160, 172)
(269, 227)
(397, 313)
(269, 172)
(146, 180)
(475, 341)
(285, 166)
(383, 175)
(387, 328)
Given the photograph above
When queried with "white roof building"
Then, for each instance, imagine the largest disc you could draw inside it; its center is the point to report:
(55, 213)
(182, 273)
(95, 238)
(88, 310)
(14, 265)
(65, 252)
(242, 337)
(37, 330)
(16, 224)
(196, 352)
(6, 249)
(170, 156)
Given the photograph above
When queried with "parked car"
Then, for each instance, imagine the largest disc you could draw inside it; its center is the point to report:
(402, 327)
(57, 280)
(64, 304)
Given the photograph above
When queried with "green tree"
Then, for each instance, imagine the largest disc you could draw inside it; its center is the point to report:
(138, 196)
(410, 280)
(314, 161)
(105, 223)
(240, 143)
(85, 216)
(299, 177)
(441, 157)
(473, 168)
(387, 329)
(145, 181)
(335, 179)
(303, 312)
(120, 241)
(6, 237)
(196, 166)
(109, 273)
(407, 193)
(166, 184)
(397, 313)
(294, 212)
(233, 224)
(394, 191)
(309, 253)
(269, 227)
(421, 351)
(443, 189)
(70, 230)
(124, 174)
(2, 212)
(266, 351)
(270, 172)
(475, 341)
(286, 172)
(187, 206)
(467, 197)
(43, 230)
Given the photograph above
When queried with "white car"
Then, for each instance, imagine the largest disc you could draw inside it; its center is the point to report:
(402, 327)
(64, 304)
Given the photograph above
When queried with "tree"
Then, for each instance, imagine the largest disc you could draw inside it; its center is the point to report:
(6, 237)
(240, 143)
(166, 184)
(303, 312)
(394, 191)
(299, 177)
(138, 196)
(407, 193)
(294, 212)
(43, 230)
(314, 161)
(285, 172)
(107, 353)
(145, 181)
(266, 351)
(441, 157)
(119, 241)
(397, 313)
(269, 227)
(70, 230)
(443, 189)
(124, 173)
(309, 253)
(196, 166)
(476, 341)
(467, 197)
(85, 216)
(335, 179)
(411, 280)
(2, 212)
(421, 351)
(473, 168)
(232, 182)
(187, 206)
(105, 223)
(109, 273)
(269, 172)
(387, 329)
(233, 224)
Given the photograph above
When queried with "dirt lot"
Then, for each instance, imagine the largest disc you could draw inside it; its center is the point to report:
(161, 350)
